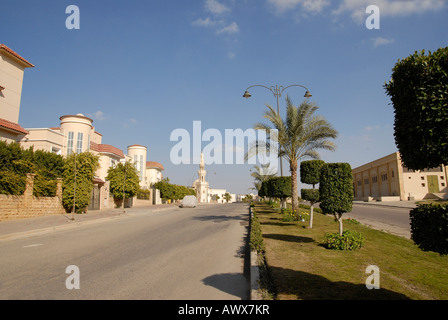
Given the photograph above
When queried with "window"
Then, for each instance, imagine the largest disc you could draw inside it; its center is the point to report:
(70, 142)
(384, 177)
(366, 181)
(79, 142)
(374, 179)
(141, 167)
(359, 183)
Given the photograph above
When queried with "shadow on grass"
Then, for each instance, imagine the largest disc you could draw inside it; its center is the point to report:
(288, 237)
(307, 286)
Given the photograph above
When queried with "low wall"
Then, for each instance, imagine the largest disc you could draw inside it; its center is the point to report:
(28, 206)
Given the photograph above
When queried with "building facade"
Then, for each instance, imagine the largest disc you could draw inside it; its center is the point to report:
(12, 68)
(386, 179)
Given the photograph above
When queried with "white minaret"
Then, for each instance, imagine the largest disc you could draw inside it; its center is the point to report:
(201, 185)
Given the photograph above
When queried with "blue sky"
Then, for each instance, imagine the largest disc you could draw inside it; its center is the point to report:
(142, 69)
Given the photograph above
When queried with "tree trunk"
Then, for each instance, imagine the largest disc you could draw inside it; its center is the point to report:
(311, 215)
(339, 217)
(294, 187)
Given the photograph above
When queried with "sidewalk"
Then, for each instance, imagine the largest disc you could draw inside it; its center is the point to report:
(396, 204)
(17, 228)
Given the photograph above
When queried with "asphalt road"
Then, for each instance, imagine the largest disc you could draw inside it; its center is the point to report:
(183, 253)
(391, 219)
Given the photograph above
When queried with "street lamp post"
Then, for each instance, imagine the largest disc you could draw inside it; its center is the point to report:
(124, 184)
(277, 92)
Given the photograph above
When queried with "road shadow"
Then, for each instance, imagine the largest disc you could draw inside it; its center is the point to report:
(290, 238)
(307, 286)
(235, 284)
(218, 218)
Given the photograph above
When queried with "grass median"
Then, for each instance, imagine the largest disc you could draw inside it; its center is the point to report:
(300, 267)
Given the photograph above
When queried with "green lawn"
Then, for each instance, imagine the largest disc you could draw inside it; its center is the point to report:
(301, 268)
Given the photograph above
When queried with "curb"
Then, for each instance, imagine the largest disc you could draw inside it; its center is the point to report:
(254, 277)
(254, 272)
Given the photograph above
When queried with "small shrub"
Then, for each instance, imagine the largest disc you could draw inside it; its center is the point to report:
(350, 240)
(307, 207)
(289, 215)
(352, 221)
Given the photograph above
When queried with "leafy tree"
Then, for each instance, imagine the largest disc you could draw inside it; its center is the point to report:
(170, 191)
(300, 135)
(227, 197)
(263, 191)
(279, 187)
(262, 173)
(123, 178)
(310, 174)
(336, 190)
(86, 165)
(418, 91)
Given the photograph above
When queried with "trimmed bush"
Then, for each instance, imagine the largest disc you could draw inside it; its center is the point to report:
(429, 227)
(12, 183)
(349, 240)
(256, 236)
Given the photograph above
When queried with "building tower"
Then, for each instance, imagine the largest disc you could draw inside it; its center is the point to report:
(201, 185)
(137, 154)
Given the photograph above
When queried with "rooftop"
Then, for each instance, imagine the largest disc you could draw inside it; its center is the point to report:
(11, 52)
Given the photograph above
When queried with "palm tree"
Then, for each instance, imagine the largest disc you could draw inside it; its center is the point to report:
(262, 173)
(300, 135)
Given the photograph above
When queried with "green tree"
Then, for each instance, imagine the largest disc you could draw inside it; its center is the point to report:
(279, 187)
(124, 181)
(86, 165)
(300, 136)
(310, 174)
(227, 197)
(336, 190)
(260, 174)
(418, 91)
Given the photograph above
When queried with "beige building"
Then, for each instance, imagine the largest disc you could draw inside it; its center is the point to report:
(12, 68)
(386, 179)
(153, 173)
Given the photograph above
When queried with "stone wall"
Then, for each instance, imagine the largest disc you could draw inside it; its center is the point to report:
(27, 205)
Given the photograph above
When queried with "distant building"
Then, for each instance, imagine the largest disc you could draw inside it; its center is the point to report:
(200, 185)
(386, 179)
